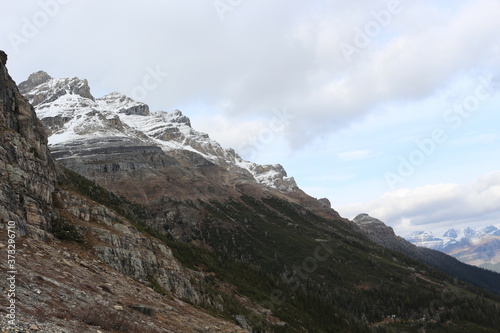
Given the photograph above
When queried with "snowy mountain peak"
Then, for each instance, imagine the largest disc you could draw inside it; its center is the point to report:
(123, 104)
(490, 230)
(476, 246)
(456, 235)
(452, 237)
(421, 234)
(425, 239)
(177, 117)
(34, 80)
(71, 114)
(41, 88)
(452, 233)
(469, 232)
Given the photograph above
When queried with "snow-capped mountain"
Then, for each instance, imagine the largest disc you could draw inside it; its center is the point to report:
(72, 116)
(425, 239)
(475, 246)
(452, 237)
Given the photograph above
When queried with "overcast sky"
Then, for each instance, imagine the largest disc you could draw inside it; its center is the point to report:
(384, 107)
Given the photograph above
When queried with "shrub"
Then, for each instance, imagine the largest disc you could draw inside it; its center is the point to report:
(64, 230)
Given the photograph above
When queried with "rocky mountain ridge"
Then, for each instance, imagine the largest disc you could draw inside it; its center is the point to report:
(72, 114)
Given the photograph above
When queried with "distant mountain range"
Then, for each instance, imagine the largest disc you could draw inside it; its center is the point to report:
(378, 232)
(475, 246)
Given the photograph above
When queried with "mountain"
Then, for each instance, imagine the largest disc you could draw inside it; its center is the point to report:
(76, 265)
(151, 158)
(75, 118)
(140, 237)
(425, 239)
(384, 235)
(475, 246)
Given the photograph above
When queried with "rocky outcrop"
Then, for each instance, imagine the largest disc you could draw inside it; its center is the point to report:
(3, 58)
(27, 170)
(122, 247)
(378, 232)
(124, 105)
(40, 88)
(275, 176)
(34, 80)
(65, 289)
(178, 117)
(325, 202)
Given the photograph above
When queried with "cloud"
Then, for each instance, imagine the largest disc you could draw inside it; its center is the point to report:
(436, 206)
(263, 55)
(409, 66)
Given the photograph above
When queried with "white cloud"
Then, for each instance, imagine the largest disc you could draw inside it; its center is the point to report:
(264, 55)
(238, 134)
(437, 206)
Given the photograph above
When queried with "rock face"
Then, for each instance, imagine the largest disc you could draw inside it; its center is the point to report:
(69, 290)
(122, 247)
(33, 81)
(27, 170)
(39, 88)
(325, 202)
(378, 232)
(3, 58)
(124, 104)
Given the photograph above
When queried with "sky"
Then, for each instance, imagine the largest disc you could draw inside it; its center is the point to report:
(384, 107)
